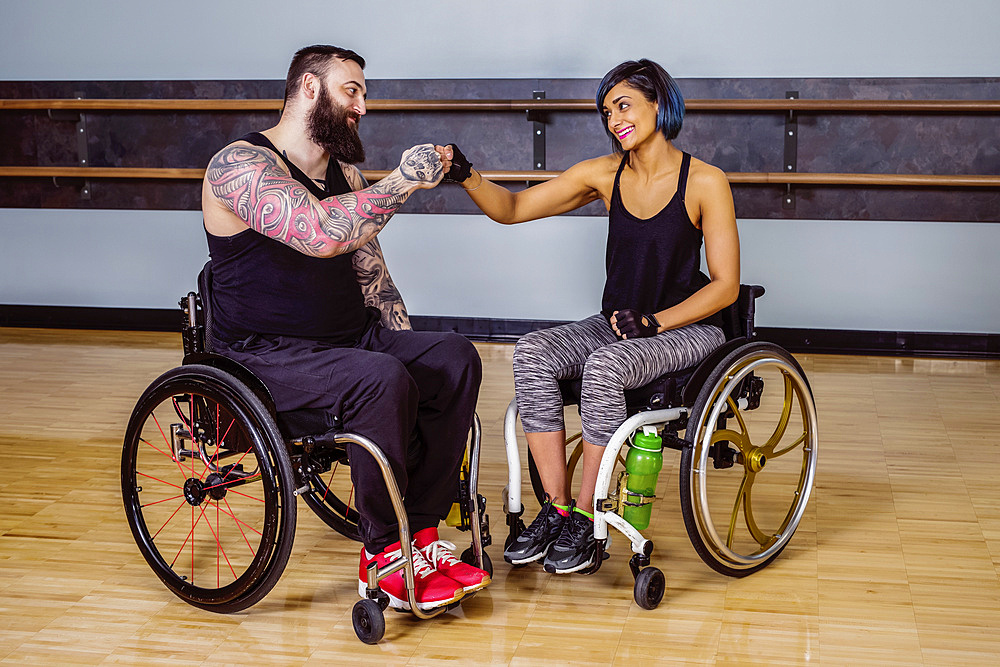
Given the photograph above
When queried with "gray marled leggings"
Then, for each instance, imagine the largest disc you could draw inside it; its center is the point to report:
(608, 366)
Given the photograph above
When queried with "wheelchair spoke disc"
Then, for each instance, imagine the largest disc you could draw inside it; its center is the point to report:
(757, 414)
(202, 493)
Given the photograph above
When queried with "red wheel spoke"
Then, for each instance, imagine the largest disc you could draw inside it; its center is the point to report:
(232, 515)
(184, 543)
(157, 479)
(166, 440)
(238, 522)
(238, 461)
(157, 502)
(231, 422)
(193, 445)
(218, 565)
(332, 474)
(259, 500)
(218, 542)
(218, 441)
(168, 521)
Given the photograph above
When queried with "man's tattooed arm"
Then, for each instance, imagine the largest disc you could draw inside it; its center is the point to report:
(355, 178)
(378, 288)
(252, 183)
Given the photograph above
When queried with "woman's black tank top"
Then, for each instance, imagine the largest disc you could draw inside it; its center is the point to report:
(262, 286)
(655, 263)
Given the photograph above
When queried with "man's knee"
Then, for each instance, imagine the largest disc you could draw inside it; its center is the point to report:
(385, 379)
(462, 358)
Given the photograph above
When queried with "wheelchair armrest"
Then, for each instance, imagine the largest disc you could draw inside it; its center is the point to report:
(708, 365)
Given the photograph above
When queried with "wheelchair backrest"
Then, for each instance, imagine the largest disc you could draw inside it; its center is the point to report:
(738, 317)
(205, 292)
(196, 328)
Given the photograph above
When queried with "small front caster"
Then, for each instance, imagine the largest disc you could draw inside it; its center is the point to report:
(470, 559)
(369, 623)
(649, 588)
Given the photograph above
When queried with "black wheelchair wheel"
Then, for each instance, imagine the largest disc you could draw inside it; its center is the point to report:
(469, 558)
(649, 588)
(369, 622)
(329, 485)
(748, 471)
(208, 489)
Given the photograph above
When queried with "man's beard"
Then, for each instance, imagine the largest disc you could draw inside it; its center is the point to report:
(328, 128)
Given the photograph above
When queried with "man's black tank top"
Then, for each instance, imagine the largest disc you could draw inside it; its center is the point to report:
(655, 263)
(262, 286)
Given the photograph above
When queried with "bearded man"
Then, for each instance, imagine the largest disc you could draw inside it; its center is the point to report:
(302, 297)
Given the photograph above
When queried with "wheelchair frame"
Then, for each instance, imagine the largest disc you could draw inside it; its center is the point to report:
(286, 468)
(721, 387)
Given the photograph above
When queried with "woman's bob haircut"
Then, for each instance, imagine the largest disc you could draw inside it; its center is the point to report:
(656, 86)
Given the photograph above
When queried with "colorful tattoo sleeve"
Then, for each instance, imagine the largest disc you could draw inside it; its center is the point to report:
(252, 183)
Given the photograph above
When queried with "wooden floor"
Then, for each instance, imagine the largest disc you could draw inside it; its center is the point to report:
(896, 561)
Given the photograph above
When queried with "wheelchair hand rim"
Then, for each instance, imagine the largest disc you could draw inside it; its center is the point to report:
(700, 463)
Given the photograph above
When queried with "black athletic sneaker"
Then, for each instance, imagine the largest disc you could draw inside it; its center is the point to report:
(575, 547)
(532, 544)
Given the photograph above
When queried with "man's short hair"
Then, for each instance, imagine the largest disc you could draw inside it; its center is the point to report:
(316, 59)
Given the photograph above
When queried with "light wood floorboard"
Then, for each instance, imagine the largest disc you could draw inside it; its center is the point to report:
(897, 560)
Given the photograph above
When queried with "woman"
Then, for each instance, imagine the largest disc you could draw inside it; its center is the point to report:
(659, 312)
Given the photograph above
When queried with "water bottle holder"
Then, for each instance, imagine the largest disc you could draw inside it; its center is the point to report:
(639, 501)
(624, 498)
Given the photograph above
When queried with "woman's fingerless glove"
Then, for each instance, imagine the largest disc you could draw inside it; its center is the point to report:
(633, 324)
(460, 169)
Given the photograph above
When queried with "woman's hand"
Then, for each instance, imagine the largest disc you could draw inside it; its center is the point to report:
(458, 169)
(628, 324)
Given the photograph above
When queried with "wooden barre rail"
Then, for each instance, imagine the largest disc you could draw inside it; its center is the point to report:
(750, 105)
(774, 178)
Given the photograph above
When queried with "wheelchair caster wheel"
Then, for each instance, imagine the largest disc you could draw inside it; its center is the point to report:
(469, 558)
(369, 623)
(649, 588)
(382, 600)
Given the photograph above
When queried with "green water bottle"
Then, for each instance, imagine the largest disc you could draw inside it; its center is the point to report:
(643, 463)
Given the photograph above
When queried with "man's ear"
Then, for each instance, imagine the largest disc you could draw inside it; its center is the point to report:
(310, 86)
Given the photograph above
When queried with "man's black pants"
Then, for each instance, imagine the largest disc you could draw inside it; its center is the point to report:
(411, 393)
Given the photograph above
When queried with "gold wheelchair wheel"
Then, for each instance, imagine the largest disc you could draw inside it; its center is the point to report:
(748, 472)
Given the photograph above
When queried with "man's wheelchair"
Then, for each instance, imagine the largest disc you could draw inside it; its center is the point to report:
(748, 452)
(211, 472)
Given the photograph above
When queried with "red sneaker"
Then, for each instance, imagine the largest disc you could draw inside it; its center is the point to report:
(438, 554)
(430, 588)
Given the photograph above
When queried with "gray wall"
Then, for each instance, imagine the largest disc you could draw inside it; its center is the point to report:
(883, 275)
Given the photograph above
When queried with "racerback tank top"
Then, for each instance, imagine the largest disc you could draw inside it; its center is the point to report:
(654, 263)
(262, 286)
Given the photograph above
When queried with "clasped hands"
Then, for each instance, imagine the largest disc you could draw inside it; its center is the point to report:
(427, 164)
(628, 324)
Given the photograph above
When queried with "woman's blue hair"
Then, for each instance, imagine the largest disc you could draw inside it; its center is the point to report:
(656, 86)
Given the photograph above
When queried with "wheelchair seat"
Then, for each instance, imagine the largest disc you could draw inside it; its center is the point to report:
(669, 389)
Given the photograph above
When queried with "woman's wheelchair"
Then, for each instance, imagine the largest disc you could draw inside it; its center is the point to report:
(749, 448)
(211, 472)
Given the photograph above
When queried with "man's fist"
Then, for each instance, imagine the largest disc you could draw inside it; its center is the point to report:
(422, 166)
